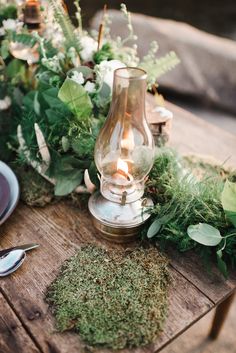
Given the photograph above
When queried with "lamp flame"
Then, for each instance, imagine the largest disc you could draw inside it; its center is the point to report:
(122, 166)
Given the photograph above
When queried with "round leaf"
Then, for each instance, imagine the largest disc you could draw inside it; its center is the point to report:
(204, 234)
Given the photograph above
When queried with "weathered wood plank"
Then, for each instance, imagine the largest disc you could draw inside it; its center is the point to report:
(60, 229)
(213, 285)
(13, 337)
(191, 134)
(211, 282)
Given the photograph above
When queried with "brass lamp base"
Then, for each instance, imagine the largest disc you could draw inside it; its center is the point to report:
(116, 222)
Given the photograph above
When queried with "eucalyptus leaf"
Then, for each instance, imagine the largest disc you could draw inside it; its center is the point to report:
(65, 143)
(93, 174)
(66, 184)
(228, 200)
(15, 68)
(221, 264)
(28, 100)
(154, 228)
(204, 234)
(231, 216)
(76, 98)
(4, 49)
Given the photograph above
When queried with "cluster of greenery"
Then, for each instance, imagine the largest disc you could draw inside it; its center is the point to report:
(114, 299)
(70, 117)
(193, 212)
(45, 93)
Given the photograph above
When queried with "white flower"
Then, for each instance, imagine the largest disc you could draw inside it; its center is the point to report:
(24, 52)
(2, 31)
(5, 103)
(89, 46)
(105, 71)
(12, 25)
(89, 87)
(52, 64)
(78, 77)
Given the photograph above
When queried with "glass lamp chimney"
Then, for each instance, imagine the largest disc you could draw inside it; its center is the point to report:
(124, 150)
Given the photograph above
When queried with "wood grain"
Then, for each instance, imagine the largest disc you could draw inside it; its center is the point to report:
(191, 134)
(13, 337)
(209, 281)
(60, 230)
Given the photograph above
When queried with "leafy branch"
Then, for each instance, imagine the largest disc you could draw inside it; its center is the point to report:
(66, 25)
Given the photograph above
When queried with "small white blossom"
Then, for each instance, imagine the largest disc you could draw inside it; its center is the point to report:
(2, 31)
(52, 64)
(78, 77)
(89, 87)
(5, 103)
(24, 52)
(89, 46)
(12, 25)
(105, 71)
(73, 56)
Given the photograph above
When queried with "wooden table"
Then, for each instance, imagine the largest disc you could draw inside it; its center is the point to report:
(26, 324)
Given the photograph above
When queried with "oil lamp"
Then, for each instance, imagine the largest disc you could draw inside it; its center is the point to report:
(32, 16)
(124, 155)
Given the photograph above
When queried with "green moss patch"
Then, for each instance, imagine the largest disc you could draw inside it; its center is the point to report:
(112, 299)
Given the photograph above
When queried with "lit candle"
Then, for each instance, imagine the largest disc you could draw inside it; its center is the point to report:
(122, 175)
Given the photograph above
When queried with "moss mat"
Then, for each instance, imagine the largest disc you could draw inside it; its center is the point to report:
(112, 299)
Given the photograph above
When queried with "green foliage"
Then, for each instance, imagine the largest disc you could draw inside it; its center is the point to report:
(6, 12)
(4, 49)
(24, 38)
(83, 145)
(77, 99)
(35, 190)
(66, 25)
(158, 67)
(228, 199)
(204, 234)
(112, 299)
(67, 182)
(105, 53)
(181, 202)
(16, 71)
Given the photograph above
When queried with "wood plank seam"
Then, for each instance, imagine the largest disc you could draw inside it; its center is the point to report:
(212, 301)
(211, 306)
(233, 291)
(21, 321)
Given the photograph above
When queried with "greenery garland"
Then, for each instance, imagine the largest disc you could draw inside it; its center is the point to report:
(53, 103)
(193, 210)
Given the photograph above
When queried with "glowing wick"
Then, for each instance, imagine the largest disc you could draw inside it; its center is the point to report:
(122, 166)
(122, 173)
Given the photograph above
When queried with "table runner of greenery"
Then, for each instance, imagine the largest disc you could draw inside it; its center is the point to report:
(55, 91)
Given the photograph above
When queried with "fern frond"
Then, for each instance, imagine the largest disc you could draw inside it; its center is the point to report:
(24, 38)
(160, 66)
(66, 25)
